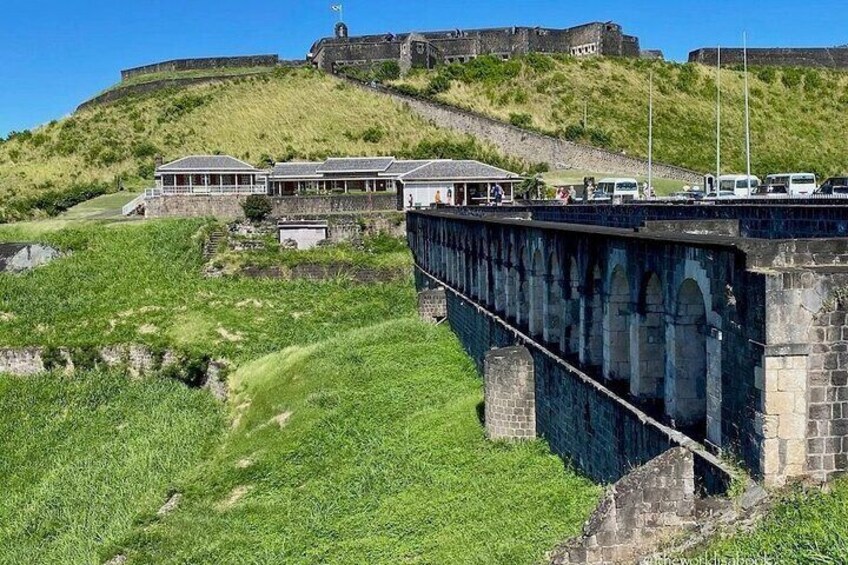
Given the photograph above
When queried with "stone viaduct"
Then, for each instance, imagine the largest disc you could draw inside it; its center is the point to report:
(645, 340)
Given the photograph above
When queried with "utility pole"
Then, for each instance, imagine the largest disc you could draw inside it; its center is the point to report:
(747, 111)
(651, 132)
(718, 119)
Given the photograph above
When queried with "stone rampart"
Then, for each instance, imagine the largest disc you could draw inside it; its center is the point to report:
(639, 513)
(583, 421)
(202, 64)
(822, 57)
(530, 146)
(228, 207)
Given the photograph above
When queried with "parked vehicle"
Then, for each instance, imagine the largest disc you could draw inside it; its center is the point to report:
(617, 189)
(834, 186)
(796, 184)
(770, 191)
(741, 185)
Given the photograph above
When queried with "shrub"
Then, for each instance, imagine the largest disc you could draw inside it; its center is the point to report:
(767, 75)
(438, 84)
(521, 120)
(407, 89)
(388, 70)
(791, 78)
(256, 207)
(573, 132)
(374, 134)
(145, 150)
(540, 64)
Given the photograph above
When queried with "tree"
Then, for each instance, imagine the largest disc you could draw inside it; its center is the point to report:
(256, 207)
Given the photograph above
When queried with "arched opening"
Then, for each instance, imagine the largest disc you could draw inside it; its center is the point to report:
(648, 382)
(498, 283)
(537, 295)
(553, 302)
(522, 292)
(689, 392)
(571, 310)
(592, 352)
(511, 283)
(617, 328)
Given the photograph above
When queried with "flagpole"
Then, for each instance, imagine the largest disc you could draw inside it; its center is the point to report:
(747, 111)
(651, 132)
(718, 119)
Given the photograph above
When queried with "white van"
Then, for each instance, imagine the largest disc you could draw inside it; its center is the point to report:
(617, 190)
(796, 184)
(739, 184)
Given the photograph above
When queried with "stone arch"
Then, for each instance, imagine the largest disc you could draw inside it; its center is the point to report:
(498, 279)
(617, 327)
(648, 382)
(592, 320)
(571, 309)
(512, 287)
(553, 300)
(688, 402)
(536, 314)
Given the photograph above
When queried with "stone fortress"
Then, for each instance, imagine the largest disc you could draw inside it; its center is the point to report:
(821, 57)
(428, 49)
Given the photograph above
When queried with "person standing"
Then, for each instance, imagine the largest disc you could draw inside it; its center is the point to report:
(497, 194)
(438, 198)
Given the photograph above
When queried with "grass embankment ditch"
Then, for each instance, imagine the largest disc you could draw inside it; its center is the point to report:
(279, 116)
(366, 448)
(351, 434)
(84, 457)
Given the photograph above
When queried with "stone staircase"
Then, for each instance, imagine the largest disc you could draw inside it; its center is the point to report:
(211, 245)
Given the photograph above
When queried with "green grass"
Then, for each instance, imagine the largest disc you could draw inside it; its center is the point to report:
(378, 252)
(380, 459)
(795, 113)
(805, 527)
(141, 282)
(282, 115)
(84, 457)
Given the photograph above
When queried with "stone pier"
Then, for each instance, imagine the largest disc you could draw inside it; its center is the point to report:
(510, 391)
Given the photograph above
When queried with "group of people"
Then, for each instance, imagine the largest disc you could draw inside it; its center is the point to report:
(566, 195)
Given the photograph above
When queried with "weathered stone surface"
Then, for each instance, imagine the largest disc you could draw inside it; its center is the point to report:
(229, 206)
(510, 394)
(432, 305)
(638, 513)
(20, 257)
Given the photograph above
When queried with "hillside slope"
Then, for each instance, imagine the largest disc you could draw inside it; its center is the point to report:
(798, 119)
(286, 114)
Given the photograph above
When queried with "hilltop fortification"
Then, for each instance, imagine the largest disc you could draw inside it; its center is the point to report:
(428, 49)
(821, 57)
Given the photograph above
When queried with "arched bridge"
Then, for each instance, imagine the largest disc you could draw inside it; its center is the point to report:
(642, 341)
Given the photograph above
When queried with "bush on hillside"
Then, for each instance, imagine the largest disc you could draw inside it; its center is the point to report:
(767, 75)
(256, 207)
(386, 71)
(522, 120)
(438, 83)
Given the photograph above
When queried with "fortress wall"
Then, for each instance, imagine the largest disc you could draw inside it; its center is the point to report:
(229, 207)
(533, 147)
(202, 63)
(823, 57)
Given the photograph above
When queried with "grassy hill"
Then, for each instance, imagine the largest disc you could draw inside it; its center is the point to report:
(798, 118)
(281, 115)
(352, 435)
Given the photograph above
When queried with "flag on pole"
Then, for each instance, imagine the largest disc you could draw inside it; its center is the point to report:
(336, 7)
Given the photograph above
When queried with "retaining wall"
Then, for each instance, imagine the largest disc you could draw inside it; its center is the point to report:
(229, 207)
(582, 421)
(530, 146)
(824, 57)
(201, 64)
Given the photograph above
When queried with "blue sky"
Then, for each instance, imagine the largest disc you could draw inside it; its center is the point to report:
(57, 54)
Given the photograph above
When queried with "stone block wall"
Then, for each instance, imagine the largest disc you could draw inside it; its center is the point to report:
(229, 207)
(432, 305)
(510, 394)
(638, 513)
(824, 57)
(202, 63)
(584, 423)
(530, 146)
(827, 421)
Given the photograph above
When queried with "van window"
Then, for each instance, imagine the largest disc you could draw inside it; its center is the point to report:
(726, 185)
(627, 186)
(606, 187)
(804, 180)
(744, 183)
